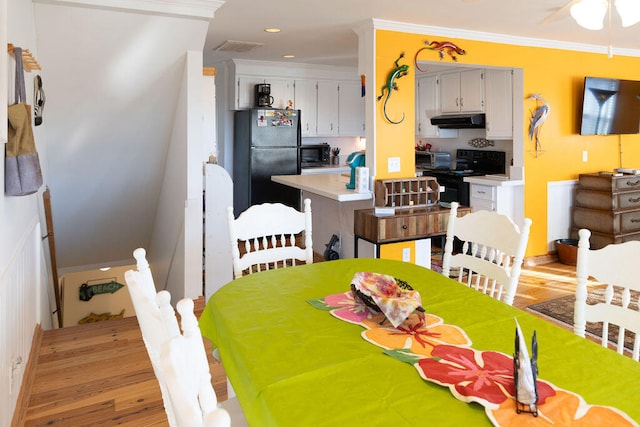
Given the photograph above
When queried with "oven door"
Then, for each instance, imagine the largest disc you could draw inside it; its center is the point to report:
(455, 189)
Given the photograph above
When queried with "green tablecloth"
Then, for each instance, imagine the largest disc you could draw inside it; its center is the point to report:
(294, 365)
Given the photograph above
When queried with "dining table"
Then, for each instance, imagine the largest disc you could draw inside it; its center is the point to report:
(298, 352)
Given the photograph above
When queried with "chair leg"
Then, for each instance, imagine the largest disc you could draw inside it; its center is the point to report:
(231, 393)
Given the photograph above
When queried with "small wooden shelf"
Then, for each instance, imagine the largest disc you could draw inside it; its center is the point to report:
(28, 61)
(407, 193)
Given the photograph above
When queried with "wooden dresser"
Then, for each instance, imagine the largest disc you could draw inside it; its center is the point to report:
(405, 225)
(609, 206)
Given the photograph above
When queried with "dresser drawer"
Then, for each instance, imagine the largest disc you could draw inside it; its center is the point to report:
(605, 200)
(607, 221)
(484, 192)
(609, 183)
(406, 224)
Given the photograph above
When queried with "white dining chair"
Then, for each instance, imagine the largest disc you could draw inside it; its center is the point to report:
(263, 237)
(179, 360)
(616, 267)
(493, 248)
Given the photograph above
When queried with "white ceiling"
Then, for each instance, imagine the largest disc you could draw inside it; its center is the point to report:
(321, 32)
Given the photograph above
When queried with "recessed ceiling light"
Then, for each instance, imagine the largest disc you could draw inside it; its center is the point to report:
(288, 56)
(105, 268)
(272, 30)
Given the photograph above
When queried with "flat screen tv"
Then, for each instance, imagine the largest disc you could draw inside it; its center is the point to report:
(610, 107)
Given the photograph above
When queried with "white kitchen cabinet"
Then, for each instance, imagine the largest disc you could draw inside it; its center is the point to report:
(282, 91)
(492, 198)
(351, 115)
(499, 104)
(306, 100)
(328, 106)
(245, 93)
(427, 106)
(462, 92)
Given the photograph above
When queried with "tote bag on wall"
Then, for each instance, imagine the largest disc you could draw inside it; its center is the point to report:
(22, 171)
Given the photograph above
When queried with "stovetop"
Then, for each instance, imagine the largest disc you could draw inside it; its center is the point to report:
(473, 163)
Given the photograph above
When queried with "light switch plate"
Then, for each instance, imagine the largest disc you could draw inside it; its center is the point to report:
(406, 254)
(393, 164)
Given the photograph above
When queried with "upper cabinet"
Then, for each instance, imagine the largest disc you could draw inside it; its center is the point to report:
(306, 100)
(329, 98)
(499, 105)
(462, 92)
(427, 106)
(340, 108)
(282, 91)
(328, 108)
(351, 115)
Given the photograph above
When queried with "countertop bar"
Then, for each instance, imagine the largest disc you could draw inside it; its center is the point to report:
(326, 169)
(494, 180)
(331, 186)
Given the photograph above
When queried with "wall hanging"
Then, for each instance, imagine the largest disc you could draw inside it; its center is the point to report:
(538, 117)
(481, 142)
(442, 48)
(397, 72)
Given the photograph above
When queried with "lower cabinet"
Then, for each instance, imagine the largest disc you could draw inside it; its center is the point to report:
(499, 199)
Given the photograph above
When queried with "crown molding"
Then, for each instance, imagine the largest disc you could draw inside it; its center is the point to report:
(202, 9)
(381, 24)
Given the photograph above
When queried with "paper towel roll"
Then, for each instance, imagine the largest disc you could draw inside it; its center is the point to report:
(362, 179)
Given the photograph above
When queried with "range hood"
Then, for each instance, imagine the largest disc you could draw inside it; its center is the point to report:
(459, 121)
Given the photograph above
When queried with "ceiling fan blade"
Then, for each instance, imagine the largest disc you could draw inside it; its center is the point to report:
(558, 13)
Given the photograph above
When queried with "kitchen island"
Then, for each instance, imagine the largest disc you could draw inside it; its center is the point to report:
(332, 205)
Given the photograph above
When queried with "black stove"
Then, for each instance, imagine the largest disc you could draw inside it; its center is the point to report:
(468, 163)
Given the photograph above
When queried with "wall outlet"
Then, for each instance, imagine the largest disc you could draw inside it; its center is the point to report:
(406, 254)
(393, 164)
(585, 156)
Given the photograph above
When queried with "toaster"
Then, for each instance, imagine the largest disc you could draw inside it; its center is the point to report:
(433, 160)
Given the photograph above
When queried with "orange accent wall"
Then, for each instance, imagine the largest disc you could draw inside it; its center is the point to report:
(554, 73)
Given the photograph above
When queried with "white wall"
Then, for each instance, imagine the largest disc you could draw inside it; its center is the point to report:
(23, 280)
(178, 221)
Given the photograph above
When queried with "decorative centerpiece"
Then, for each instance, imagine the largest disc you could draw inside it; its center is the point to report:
(525, 371)
(395, 298)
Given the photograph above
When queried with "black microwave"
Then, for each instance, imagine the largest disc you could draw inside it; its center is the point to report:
(314, 155)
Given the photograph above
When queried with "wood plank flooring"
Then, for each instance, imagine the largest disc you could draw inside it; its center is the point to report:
(99, 374)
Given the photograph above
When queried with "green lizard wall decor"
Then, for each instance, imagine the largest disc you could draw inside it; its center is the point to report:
(394, 74)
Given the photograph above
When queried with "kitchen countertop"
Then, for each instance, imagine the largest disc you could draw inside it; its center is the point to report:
(331, 169)
(494, 180)
(330, 185)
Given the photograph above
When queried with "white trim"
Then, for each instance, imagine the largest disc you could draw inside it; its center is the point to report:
(189, 8)
(381, 24)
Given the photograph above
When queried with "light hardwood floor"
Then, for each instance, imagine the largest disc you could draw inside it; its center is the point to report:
(99, 374)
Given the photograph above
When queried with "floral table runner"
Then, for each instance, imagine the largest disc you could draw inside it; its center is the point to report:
(442, 354)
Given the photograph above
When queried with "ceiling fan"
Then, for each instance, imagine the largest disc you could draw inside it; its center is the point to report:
(590, 14)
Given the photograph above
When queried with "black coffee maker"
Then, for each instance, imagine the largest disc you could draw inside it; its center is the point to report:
(263, 95)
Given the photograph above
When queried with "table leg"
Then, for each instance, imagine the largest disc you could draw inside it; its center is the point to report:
(355, 246)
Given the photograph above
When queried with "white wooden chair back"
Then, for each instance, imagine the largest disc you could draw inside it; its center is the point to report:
(148, 306)
(179, 360)
(493, 248)
(185, 368)
(266, 234)
(615, 266)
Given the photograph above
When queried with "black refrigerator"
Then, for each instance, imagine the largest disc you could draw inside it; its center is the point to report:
(266, 143)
